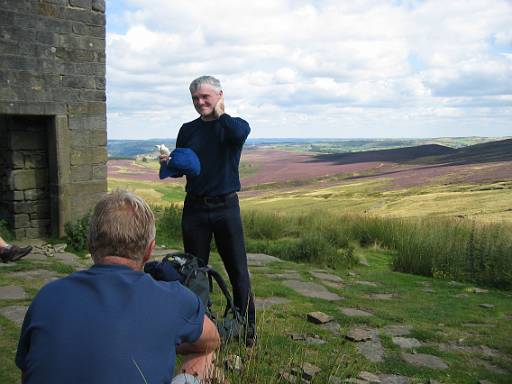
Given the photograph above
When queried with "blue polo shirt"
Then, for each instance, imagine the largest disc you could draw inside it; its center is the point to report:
(109, 324)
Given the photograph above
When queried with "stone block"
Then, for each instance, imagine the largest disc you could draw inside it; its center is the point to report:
(53, 25)
(78, 82)
(19, 63)
(36, 160)
(15, 33)
(49, 10)
(94, 69)
(21, 221)
(92, 95)
(20, 233)
(81, 42)
(35, 194)
(28, 140)
(98, 19)
(46, 37)
(18, 160)
(28, 178)
(44, 223)
(99, 172)
(98, 138)
(65, 95)
(88, 122)
(23, 207)
(100, 83)
(87, 108)
(84, 4)
(34, 233)
(98, 5)
(17, 195)
(89, 155)
(80, 138)
(7, 18)
(81, 173)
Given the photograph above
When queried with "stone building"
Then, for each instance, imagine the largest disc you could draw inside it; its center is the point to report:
(52, 112)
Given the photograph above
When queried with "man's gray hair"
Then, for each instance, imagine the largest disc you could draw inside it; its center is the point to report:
(210, 80)
(122, 225)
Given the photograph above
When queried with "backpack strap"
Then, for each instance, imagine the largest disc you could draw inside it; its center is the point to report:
(230, 306)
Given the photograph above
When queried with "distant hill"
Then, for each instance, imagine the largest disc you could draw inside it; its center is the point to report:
(425, 147)
(131, 148)
(397, 155)
(481, 153)
(428, 154)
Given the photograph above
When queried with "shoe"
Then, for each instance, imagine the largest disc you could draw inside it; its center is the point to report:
(14, 253)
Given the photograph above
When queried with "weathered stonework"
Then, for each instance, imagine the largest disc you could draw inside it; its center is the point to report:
(52, 112)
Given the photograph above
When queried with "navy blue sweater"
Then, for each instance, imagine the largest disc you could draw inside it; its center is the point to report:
(218, 144)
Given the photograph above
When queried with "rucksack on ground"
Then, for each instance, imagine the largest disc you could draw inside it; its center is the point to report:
(184, 267)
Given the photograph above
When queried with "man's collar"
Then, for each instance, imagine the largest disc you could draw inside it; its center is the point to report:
(121, 261)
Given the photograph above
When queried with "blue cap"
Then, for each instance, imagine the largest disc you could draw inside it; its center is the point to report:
(182, 161)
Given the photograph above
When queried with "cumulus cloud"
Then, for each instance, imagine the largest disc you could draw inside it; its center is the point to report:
(315, 68)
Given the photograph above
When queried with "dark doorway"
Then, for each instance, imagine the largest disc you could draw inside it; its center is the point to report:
(28, 175)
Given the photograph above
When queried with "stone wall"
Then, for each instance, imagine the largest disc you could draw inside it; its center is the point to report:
(52, 67)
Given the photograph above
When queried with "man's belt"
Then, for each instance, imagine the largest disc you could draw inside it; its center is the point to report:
(211, 199)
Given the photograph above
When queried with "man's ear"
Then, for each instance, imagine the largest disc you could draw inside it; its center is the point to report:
(149, 251)
(221, 93)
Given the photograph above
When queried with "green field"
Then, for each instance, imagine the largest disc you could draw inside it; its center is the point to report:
(488, 202)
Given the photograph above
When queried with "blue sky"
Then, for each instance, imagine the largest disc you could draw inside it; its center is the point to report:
(324, 68)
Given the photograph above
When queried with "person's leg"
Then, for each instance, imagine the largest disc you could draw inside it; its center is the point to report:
(199, 365)
(3, 244)
(196, 231)
(229, 238)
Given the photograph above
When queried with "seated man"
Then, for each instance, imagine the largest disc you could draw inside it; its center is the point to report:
(10, 252)
(113, 323)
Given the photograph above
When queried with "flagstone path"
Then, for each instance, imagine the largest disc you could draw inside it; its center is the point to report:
(320, 285)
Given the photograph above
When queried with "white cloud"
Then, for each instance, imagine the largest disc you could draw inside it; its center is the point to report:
(315, 68)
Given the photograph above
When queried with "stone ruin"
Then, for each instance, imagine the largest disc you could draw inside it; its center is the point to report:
(53, 134)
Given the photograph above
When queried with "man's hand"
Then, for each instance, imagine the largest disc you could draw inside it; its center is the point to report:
(164, 159)
(218, 110)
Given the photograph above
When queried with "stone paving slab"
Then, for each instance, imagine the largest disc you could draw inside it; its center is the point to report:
(397, 329)
(360, 334)
(394, 379)
(332, 284)
(367, 283)
(333, 327)
(262, 303)
(36, 274)
(293, 275)
(372, 350)
(406, 342)
(12, 292)
(326, 277)
(354, 312)
(312, 290)
(68, 259)
(424, 360)
(260, 259)
(15, 313)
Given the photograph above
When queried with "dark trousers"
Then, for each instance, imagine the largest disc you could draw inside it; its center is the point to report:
(220, 217)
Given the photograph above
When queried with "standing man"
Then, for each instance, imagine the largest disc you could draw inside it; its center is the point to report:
(211, 206)
(113, 323)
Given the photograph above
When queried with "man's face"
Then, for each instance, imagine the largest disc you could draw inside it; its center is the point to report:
(205, 98)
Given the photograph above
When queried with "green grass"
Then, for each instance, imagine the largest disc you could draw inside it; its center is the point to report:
(436, 318)
(487, 202)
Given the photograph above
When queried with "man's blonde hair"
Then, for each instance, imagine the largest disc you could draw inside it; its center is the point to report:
(122, 225)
